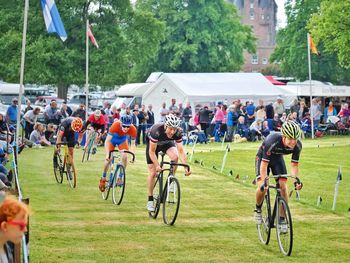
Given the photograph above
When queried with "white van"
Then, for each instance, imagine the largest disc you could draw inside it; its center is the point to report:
(8, 91)
(130, 94)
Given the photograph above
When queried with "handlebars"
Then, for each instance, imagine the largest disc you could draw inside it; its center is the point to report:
(265, 184)
(177, 164)
(122, 151)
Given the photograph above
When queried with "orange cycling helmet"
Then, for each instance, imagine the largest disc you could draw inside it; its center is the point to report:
(77, 124)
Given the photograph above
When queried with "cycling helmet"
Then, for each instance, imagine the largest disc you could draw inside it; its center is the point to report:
(172, 121)
(126, 120)
(77, 124)
(291, 130)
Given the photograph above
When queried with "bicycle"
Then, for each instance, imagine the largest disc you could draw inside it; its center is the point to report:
(62, 166)
(117, 177)
(168, 194)
(89, 145)
(272, 219)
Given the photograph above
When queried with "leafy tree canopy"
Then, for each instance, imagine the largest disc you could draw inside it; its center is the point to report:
(201, 36)
(291, 48)
(126, 37)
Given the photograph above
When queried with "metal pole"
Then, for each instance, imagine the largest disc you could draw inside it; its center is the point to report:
(309, 61)
(87, 72)
(23, 55)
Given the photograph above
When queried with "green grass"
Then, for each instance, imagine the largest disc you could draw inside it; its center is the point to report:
(215, 222)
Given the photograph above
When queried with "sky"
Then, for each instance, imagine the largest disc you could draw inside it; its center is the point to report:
(281, 16)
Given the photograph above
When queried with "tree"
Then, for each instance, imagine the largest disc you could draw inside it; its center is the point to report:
(331, 27)
(201, 36)
(291, 48)
(120, 31)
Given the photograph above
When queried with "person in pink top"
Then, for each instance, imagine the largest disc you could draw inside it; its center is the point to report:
(218, 118)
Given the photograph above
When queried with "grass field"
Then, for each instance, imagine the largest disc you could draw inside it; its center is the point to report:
(215, 222)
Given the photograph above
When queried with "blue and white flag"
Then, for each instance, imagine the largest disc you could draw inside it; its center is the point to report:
(52, 19)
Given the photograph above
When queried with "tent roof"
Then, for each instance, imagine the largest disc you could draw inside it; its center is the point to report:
(133, 89)
(221, 84)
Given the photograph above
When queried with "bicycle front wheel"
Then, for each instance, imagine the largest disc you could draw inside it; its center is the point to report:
(71, 175)
(58, 170)
(118, 186)
(156, 198)
(171, 200)
(264, 230)
(284, 227)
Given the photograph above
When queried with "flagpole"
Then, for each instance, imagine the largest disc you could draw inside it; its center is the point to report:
(24, 39)
(87, 72)
(309, 61)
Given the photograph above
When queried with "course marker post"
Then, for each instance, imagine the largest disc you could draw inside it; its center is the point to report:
(225, 156)
(194, 145)
(336, 189)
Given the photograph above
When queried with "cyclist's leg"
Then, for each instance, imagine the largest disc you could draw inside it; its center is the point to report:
(261, 170)
(171, 150)
(124, 146)
(279, 167)
(87, 137)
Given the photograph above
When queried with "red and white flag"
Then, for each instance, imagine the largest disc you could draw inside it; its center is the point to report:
(91, 36)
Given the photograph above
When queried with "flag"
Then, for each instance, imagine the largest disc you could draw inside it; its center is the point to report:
(52, 19)
(313, 46)
(91, 36)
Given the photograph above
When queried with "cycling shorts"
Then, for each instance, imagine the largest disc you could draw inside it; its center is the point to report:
(276, 165)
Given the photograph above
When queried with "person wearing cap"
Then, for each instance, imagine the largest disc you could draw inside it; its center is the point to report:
(97, 123)
(11, 113)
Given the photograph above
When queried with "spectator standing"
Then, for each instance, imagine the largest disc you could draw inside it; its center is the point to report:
(218, 119)
(150, 114)
(186, 116)
(11, 114)
(344, 113)
(116, 115)
(135, 119)
(250, 111)
(143, 117)
(30, 119)
(204, 119)
(180, 112)
(232, 118)
(329, 111)
(261, 113)
(276, 123)
(163, 111)
(278, 107)
(173, 108)
(28, 107)
(295, 107)
(316, 112)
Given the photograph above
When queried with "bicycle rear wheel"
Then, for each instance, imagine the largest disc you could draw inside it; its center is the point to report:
(118, 186)
(171, 201)
(284, 227)
(71, 175)
(264, 230)
(58, 170)
(156, 198)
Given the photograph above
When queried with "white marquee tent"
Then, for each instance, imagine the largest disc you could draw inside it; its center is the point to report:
(208, 88)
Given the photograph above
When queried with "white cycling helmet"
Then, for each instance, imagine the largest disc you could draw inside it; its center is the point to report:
(172, 121)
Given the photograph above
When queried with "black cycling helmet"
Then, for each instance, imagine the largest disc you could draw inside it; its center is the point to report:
(291, 130)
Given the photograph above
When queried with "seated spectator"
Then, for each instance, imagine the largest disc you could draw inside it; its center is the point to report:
(344, 113)
(37, 136)
(50, 133)
(293, 116)
(305, 124)
(242, 128)
(255, 130)
(276, 123)
(265, 129)
(284, 117)
(13, 224)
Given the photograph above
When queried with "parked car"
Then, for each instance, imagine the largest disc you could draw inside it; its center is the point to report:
(45, 100)
(77, 99)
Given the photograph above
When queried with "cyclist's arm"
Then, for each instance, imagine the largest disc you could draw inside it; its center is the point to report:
(182, 156)
(133, 145)
(263, 169)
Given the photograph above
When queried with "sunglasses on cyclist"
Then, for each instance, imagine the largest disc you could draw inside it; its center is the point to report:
(22, 225)
(126, 126)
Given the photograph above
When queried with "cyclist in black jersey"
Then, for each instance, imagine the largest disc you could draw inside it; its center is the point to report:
(163, 137)
(270, 159)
